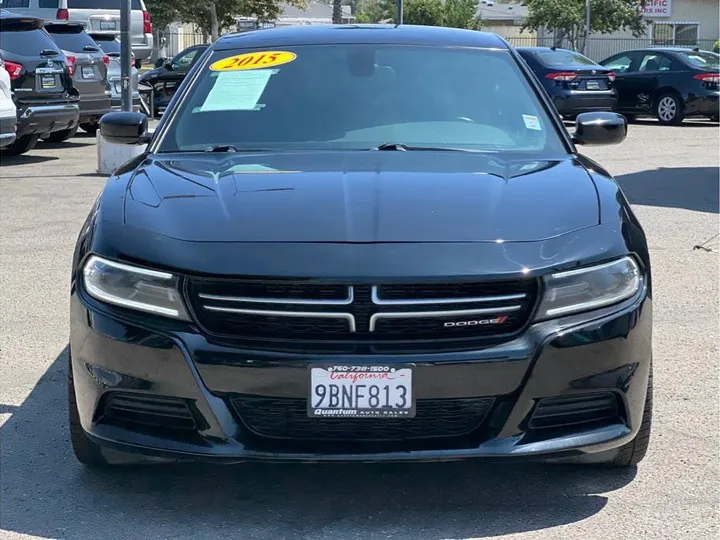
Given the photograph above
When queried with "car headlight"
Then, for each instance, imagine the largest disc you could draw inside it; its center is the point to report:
(590, 288)
(132, 287)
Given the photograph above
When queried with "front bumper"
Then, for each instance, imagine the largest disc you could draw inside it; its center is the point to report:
(608, 351)
(42, 119)
(576, 102)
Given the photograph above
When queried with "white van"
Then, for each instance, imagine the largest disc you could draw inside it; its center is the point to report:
(98, 15)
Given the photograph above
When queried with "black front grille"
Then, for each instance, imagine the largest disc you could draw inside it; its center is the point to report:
(359, 313)
(132, 410)
(451, 290)
(575, 410)
(279, 418)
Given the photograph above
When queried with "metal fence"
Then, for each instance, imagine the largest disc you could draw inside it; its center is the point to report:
(602, 47)
(598, 48)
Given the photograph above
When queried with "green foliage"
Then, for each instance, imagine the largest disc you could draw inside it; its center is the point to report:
(567, 17)
(461, 14)
(452, 13)
(423, 12)
(164, 12)
(716, 47)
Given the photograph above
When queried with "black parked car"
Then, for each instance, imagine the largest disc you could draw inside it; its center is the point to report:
(41, 82)
(430, 272)
(166, 78)
(575, 83)
(669, 83)
(89, 66)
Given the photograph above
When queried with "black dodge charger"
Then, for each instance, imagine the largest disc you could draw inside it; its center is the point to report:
(366, 243)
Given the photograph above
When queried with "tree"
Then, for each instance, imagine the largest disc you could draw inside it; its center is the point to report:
(567, 18)
(337, 12)
(461, 14)
(423, 12)
(452, 13)
(215, 16)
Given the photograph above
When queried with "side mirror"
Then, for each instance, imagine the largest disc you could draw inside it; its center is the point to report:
(124, 127)
(168, 65)
(598, 128)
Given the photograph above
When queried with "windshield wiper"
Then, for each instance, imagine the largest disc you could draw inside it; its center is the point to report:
(231, 148)
(398, 147)
(402, 147)
(222, 148)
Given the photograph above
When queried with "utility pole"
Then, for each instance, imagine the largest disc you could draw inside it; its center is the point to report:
(587, 25)
(399, 12)
(125, 55)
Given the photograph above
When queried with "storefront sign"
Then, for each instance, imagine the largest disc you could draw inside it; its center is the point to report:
(657, 8)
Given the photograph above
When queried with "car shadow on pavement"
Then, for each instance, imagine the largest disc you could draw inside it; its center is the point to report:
(62, 145)
(47, 493)
(690, 188)
(23, 159)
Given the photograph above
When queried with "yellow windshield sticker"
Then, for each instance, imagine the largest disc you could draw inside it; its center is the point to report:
(254, 60)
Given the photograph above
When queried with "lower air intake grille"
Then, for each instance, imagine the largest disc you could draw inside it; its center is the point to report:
(567, 411)
(287, 419)
(145, 410)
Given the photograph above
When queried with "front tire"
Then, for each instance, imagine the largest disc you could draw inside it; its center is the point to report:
(633, 452)
(86, 451)
(61, 136)
(21, 145)
(669, 109)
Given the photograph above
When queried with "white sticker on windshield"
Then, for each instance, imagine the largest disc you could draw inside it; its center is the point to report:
(532, 122)
(237, 90)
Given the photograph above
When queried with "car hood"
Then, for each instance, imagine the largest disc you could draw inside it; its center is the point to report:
(359, 197)
(151, 73)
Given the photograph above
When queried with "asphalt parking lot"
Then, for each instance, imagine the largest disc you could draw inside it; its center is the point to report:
(670, 174)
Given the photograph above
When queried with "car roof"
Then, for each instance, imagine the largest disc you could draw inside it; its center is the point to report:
(70, 24)
(360, 34)
(664, 49)
(9, 15)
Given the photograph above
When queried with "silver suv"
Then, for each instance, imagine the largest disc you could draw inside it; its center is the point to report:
(98, 16)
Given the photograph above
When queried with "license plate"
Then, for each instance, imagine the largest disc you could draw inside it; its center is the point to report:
(47, 81)
(108, 25)
(593, 85)
(349, 391)
(87, 72)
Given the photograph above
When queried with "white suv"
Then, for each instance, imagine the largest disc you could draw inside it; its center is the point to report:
(8, 113)
(98, 15)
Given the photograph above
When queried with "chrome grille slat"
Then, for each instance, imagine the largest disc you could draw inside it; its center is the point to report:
(301, 314)
(429, 301)
(439, 314)
(288, 301)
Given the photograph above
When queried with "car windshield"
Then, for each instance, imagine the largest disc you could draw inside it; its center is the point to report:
(703, 60)
(100, 4)
(360, 97)
(563, 58)
(109, 46)
(71, 38)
